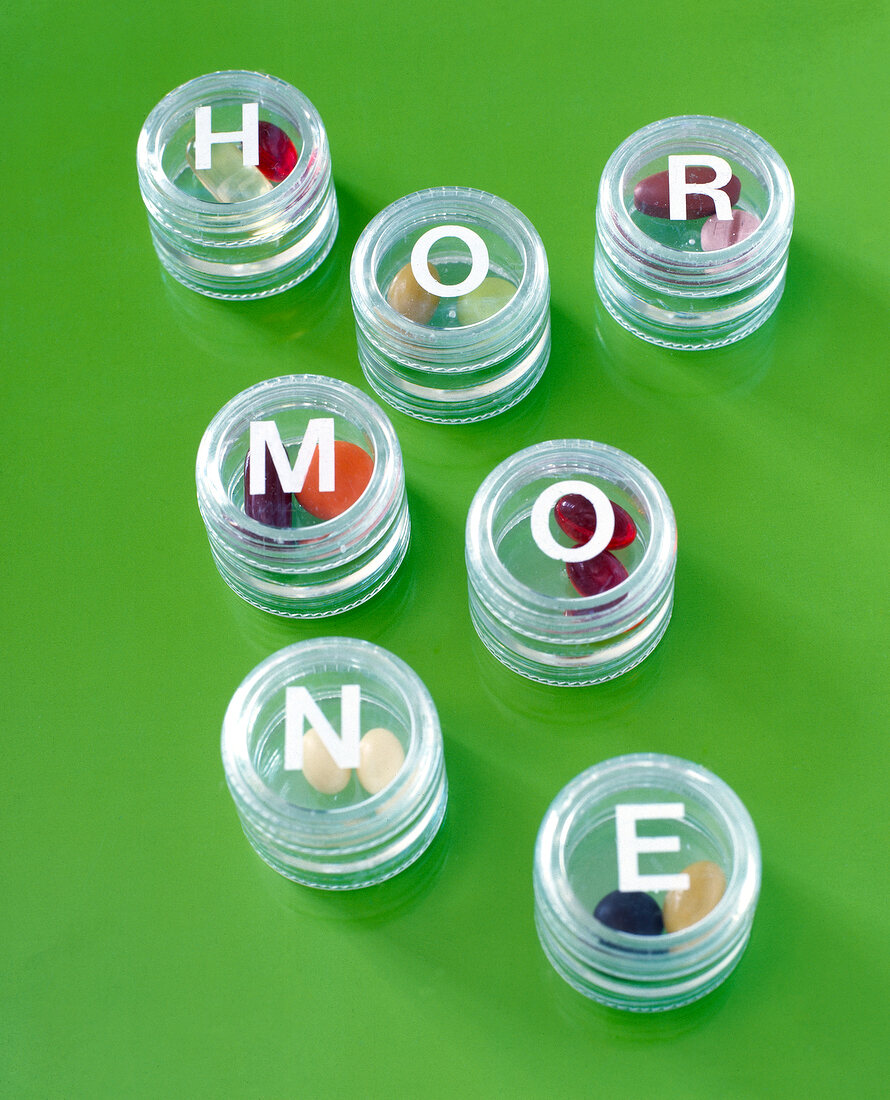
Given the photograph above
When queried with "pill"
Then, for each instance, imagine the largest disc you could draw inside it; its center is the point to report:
(652, 194)
(683, 908)
(229, 179)
(381, 758)
(716, 234)
(352, 472)
(632, 911)
(273, 507)
(319, 767)
(489, 298)
(597, 574)
(577, 517)
(407, 296)
(278, 154)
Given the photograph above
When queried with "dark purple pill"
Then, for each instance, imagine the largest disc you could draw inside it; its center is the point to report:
(274, 507)
(577, 517)
(633, 912)
(596, 575)
(652, 195)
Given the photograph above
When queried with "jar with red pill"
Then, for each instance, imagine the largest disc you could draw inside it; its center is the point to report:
(235, 172)
(693, 223)
(302, 490)
(570, 549)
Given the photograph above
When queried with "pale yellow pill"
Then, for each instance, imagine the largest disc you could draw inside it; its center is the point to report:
(407, 296)
(319, 767)
(683, 908)
(381, 758)
(489, 298)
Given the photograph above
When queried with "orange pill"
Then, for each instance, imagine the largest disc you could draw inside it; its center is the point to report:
(352, 472)
(683, 908)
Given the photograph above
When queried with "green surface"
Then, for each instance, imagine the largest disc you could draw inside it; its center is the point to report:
(146, 950)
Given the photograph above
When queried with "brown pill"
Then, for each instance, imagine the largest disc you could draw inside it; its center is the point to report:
(407, 296)
(716, 234)
(652, 195)
(683, 908)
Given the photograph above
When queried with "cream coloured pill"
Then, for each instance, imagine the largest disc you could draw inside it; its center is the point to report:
(407, 296)
(319, 767)
(381, 757)
(683, 908)
(485, 301)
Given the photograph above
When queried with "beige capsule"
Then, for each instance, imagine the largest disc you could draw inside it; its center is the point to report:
(319, 767)
(407, 296)
(683, 908)
(381, 758)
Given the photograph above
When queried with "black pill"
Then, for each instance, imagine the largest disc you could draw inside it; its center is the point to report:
(634, 912)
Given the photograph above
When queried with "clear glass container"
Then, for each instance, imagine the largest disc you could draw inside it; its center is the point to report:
(557, 605)
(639, 825)
(348, 838)
(240, 233)
(693, 223)
(350, 540)
(451, 295)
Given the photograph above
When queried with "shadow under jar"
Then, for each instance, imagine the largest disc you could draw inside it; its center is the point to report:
(323, 825)
(562, 601)
(693, 222)
(236, 229)
(451, 295)
(307, 547)
(646, 881)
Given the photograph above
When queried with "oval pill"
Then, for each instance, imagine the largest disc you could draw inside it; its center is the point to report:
(319, 768)
(632, 911)
(352, 472)
(683, 908)
(652, 195)
(407, 296)
(577, 517)
(381, 759)
(489, 298)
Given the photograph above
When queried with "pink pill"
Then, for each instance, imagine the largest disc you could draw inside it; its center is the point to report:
(716, 234)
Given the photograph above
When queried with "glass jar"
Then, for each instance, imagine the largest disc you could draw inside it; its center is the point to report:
(297, 548)
(345, 693)
(693, 223)
(650, 842)
(451, 295)
(238, 229)
(582, 602)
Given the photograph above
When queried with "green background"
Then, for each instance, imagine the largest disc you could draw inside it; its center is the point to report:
(146, 950)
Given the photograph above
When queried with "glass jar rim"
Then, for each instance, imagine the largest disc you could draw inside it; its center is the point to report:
(444, 350)
(500, 590)
(302, 547)
(261, 216)
(699, 274)
(353, 827)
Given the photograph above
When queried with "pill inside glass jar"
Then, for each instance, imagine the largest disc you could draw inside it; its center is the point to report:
(450, 291)
(694, 220)
(332, 752)
(235, 172)
(570, 550)
(301, 488)
(647, 874)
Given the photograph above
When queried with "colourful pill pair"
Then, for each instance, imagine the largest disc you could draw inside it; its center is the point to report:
(576, 516)
(353, 467)
(652, 198)
(640, 914)
(381, 757)
(230, 180)
(411, 300)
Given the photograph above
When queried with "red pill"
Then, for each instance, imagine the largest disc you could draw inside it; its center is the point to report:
(652, 195)
(278, 155)
(596, 575)
(577, 517)
(352, 472)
